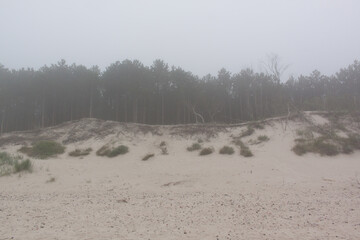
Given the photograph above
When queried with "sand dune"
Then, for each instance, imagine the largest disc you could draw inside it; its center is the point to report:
(273, 195)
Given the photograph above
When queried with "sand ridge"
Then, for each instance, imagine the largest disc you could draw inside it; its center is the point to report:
(273, 195)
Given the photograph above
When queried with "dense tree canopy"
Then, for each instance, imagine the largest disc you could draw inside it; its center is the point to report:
(128, 91)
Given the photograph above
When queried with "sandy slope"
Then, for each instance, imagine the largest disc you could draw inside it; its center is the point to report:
(274, 195)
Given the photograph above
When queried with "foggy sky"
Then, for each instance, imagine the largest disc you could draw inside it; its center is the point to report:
(200, 36)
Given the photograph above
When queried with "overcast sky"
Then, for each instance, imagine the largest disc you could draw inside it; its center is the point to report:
(200, 36)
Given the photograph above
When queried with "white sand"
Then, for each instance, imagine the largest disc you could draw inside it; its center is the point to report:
(273, 195)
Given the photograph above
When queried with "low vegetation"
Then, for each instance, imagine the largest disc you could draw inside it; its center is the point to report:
(257, 125)
(260, 139)
(248, 132)
(43, 149)
(80, 152)
(51, 180)
(263, 138)
(112, 152)
(244, 150)
(13, 164)
(194, 147)
(328, 145)
(148, 156)
(206, 151)
(163, 148)
(227, 150)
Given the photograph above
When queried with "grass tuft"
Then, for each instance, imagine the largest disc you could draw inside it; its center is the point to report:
(148, 156)
(80, 152)
(263, 138)
(13, 164)
(194, 147)
(227, 150)
(206, 151)
(112, 152)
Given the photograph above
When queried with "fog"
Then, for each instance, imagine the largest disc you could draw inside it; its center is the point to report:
(200, 36)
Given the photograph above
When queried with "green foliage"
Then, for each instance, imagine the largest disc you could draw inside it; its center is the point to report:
(148, 156)
(194, 147)
(43, 149)
(13, 164)
(263, 138)
(319, 145)
(112, 152)
(244, 150)
(22, 165)
(120, 150)
(80, 152)
(329, 144)
(206, 151)
(227, 150)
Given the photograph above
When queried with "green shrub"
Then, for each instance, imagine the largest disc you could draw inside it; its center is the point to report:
(206, 151)
(300, 149)
(80, 152)
(244, 150)
(148, 156)
(325, 148)
(112, 152)
(263, 138)
(163, 144)
(227, 150)
(120, 150)
(318, 145)
(194, 147)
(43, 149)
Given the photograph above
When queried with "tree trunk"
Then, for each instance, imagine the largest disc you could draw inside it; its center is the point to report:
(2, 130)
(135, 111)
(162, 109)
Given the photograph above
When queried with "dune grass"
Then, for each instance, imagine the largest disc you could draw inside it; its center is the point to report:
(194, 147)
(13, 164)
(329, 145)
(43, 149)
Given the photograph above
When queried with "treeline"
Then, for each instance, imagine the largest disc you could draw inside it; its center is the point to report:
(128, 91)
